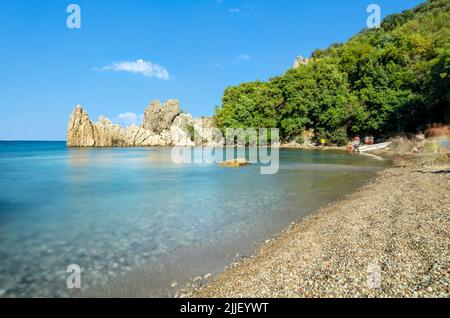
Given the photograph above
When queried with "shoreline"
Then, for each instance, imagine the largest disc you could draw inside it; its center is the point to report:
(397, 225)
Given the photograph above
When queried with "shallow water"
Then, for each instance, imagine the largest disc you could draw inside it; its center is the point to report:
(135, 222)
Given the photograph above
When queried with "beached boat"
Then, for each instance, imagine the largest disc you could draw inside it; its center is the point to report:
(366, 148)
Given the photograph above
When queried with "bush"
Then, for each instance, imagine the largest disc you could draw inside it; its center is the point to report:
(300, 139)
(336, 137)
(191, 131)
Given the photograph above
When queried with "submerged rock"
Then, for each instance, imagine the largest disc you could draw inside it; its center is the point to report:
(234, 163)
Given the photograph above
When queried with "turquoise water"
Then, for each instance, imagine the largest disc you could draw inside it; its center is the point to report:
(135, 222)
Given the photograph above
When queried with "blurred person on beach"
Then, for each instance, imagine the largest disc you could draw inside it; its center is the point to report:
(353, 146)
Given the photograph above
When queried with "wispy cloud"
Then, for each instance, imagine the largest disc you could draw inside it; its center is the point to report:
(244, 57)
(241, 58)
(238, 11)
(242, 9)
(218, 63)
(127, 118)
(140, 66)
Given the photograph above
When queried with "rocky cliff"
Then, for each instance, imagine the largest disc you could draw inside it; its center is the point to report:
(163, 125)
(300, 60)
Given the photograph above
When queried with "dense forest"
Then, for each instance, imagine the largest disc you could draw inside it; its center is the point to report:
(387, 80)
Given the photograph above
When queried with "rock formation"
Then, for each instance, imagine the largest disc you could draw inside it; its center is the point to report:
(158, 118)
(235, 163)
(163, 125)
(80, 130)
(300, 60)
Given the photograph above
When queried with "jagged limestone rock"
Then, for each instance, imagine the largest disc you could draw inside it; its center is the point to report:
(158, 118)
(300, 60)
(207, 133)
(82, 132)
(106, 134)
(181, 130)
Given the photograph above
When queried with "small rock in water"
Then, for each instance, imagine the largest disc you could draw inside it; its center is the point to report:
(173, 284)
(197, 279)
(207, 276)
(239, 162)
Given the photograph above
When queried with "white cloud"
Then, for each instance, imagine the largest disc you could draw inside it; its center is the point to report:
(127, 118)
(238, 11)
(216, 63)
(241, 58)
(140, 66)
(244, 57)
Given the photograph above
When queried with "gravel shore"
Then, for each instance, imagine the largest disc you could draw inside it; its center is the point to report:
(389, 239)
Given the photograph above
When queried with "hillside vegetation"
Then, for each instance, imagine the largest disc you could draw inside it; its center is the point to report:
(382, 81)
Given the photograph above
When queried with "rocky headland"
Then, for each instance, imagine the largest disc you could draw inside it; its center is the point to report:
(162, 125)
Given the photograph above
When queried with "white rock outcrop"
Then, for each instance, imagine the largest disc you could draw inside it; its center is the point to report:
(300, 60)
(180, 132)
(159, 117)
(163, 125)
(80, 130)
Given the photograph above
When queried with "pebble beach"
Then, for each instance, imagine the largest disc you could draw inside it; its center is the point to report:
(388, 239)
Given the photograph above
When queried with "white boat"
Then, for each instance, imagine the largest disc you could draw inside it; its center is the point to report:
(366, 148)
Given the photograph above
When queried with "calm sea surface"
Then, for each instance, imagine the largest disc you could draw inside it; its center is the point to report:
(136, 223)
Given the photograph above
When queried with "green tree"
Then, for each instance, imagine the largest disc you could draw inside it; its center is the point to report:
(382, 81)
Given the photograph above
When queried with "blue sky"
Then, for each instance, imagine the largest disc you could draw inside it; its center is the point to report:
(190, 50)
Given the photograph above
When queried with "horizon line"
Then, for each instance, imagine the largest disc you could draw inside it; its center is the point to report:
(47, 140)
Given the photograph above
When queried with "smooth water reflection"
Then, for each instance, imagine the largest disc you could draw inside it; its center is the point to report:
(135, 222)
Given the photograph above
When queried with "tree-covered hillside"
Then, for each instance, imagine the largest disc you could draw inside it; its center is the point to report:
(382, 81)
